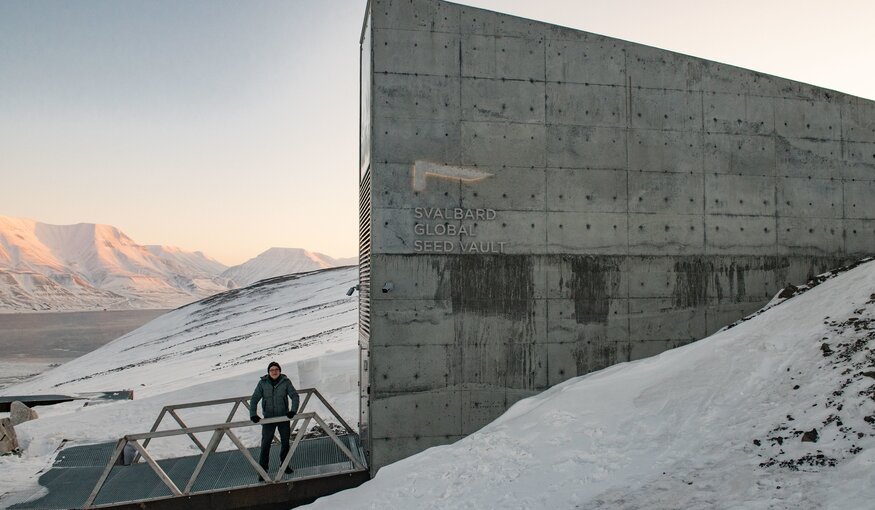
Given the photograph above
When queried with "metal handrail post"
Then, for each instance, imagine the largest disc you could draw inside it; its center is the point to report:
(119, 448)
(340, 445)
(309, 392)
(157, 469)
(153, 429)
(333, 411)
(157, 422)
(183, 425)
(298, 437)
(233, 412)
(211, 447)
(245, 452)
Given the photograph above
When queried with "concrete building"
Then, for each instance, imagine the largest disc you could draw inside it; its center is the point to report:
(539, 202)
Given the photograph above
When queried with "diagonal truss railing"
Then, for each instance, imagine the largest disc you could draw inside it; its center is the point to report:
(307, 393)
(219, 431)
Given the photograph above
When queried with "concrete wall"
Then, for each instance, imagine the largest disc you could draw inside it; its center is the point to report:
(644, 199)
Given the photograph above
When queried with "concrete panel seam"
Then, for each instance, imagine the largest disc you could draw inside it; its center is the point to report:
(492, 78)
(414, 30)
(629, 103)
(588, 83)
(395, 73)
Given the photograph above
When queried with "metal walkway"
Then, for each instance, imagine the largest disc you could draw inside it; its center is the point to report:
(90, 476)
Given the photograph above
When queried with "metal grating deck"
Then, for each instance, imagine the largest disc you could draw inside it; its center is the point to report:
(77, 469)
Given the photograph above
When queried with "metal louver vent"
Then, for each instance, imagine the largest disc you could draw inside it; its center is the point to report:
(365, 256)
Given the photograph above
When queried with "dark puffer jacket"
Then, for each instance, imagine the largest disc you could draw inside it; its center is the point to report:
(275, 398)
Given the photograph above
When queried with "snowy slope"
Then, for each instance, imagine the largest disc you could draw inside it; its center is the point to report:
(280, 261)
(221, 336)
(720, 423)
(715, 424)
(87, 266)
(212, 349)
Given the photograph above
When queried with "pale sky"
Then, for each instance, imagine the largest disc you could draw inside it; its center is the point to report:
(231, 127)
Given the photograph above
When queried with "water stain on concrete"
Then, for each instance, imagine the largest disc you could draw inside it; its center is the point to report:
(493, 285)
(594, 354)
(594, 281)
(691, 282)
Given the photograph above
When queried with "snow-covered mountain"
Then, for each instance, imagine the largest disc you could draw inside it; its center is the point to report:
(280, 261)
(92, 267)
(187, 259)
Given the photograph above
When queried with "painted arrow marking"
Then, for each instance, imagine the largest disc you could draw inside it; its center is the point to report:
(423, 169)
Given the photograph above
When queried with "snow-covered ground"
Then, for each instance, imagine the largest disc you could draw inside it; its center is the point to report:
(720, 423)
(212, 349)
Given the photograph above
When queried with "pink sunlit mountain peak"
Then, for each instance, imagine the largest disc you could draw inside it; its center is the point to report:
(87, 266)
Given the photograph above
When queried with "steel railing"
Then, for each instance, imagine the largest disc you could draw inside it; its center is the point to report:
(219, 431)
(237, 401)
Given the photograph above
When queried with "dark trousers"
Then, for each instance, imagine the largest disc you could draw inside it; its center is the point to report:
(267, 437)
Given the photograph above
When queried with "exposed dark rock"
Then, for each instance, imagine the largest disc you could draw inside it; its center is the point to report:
(810, 436)
(8, 439)
(788, 292)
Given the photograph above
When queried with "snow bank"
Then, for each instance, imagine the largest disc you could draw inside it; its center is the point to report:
(726, 422)
(720, 423)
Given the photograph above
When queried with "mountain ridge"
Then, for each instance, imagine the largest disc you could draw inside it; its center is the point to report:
(278, 261)
(88, 266)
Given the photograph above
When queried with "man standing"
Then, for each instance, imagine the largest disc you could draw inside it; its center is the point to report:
(274, 390)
